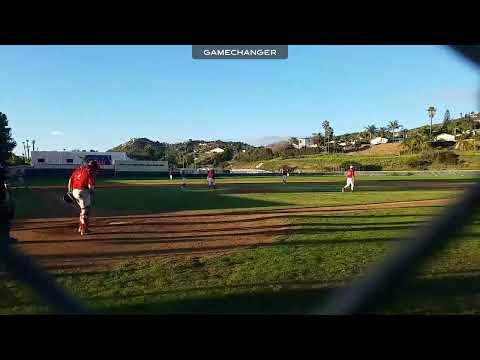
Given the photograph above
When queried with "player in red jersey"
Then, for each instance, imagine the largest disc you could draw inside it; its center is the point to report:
(82, 184)
(211, 178)
(350, 174)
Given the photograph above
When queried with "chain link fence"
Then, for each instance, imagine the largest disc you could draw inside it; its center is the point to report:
(372, 292)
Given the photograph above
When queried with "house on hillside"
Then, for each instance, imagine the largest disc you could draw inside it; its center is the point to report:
(378, 140)
(445, 137)
(216, 151)
(306, 142)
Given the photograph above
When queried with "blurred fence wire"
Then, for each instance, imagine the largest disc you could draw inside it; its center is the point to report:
(367, 294)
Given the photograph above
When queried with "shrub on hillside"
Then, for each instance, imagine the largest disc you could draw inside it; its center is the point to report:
(371, 167)
(420, 163)
(346, 164)
(446, 157)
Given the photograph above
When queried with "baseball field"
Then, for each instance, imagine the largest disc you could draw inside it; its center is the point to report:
(253, 245)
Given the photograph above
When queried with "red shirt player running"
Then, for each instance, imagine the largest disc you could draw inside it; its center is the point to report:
(350, 174)
(82, 184)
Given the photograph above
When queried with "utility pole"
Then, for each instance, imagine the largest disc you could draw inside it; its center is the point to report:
(28, 150)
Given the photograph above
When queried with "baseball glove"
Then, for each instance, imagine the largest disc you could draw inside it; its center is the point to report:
(68, 198)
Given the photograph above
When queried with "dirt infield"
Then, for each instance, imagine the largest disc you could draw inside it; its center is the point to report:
(57, 245)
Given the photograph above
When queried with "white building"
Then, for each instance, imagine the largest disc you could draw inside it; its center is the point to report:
(378, 140)
(306, 142)
(445, 137)
(216, 150)
(72, 159)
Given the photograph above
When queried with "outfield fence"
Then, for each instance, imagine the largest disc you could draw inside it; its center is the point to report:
(371, 293)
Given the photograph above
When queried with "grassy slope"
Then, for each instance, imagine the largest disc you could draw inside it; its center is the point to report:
(326, 162)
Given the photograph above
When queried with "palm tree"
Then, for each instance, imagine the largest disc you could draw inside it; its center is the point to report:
(417, 142)
(382, 132)
(431, 113)
(392, 126)
(326, 128)
(371, 130)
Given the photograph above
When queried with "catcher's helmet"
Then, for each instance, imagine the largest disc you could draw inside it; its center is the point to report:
(93, 165)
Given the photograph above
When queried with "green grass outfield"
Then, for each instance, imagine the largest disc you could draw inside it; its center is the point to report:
(251, 179)
(299, 269)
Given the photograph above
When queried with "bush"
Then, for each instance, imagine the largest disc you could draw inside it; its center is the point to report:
(421, 163)
(441, 157)
(371, 167)
(358, 166)
(446, 157)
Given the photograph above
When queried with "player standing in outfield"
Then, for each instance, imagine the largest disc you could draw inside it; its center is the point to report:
(184, 179)
(211, 178)
(171, 174)
(82, 184)
(350, 174)
(284, 175)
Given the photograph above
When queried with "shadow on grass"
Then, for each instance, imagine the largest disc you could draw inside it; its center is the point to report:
(128, 237)
(206, 248)
(111, 202)
(262, 302)
(446, 295)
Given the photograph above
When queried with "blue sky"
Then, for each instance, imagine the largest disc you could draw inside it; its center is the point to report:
(96, 97)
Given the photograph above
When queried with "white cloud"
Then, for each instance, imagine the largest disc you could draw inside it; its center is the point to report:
(57, 133)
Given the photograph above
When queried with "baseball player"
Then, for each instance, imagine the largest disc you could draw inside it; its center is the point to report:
(82, 185)
(7, 211)
(284, 175)
(211, 178)
(184, 180)
(350, 174)
(171, 174)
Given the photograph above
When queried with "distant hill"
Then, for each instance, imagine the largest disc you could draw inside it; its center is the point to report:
(138, 146)
(184, 153)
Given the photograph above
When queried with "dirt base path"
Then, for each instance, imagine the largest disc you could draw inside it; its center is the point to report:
(57, 245)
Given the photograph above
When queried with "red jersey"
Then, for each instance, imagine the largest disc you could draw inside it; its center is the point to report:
(350, 173)
(211, 174)
(81, 178)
